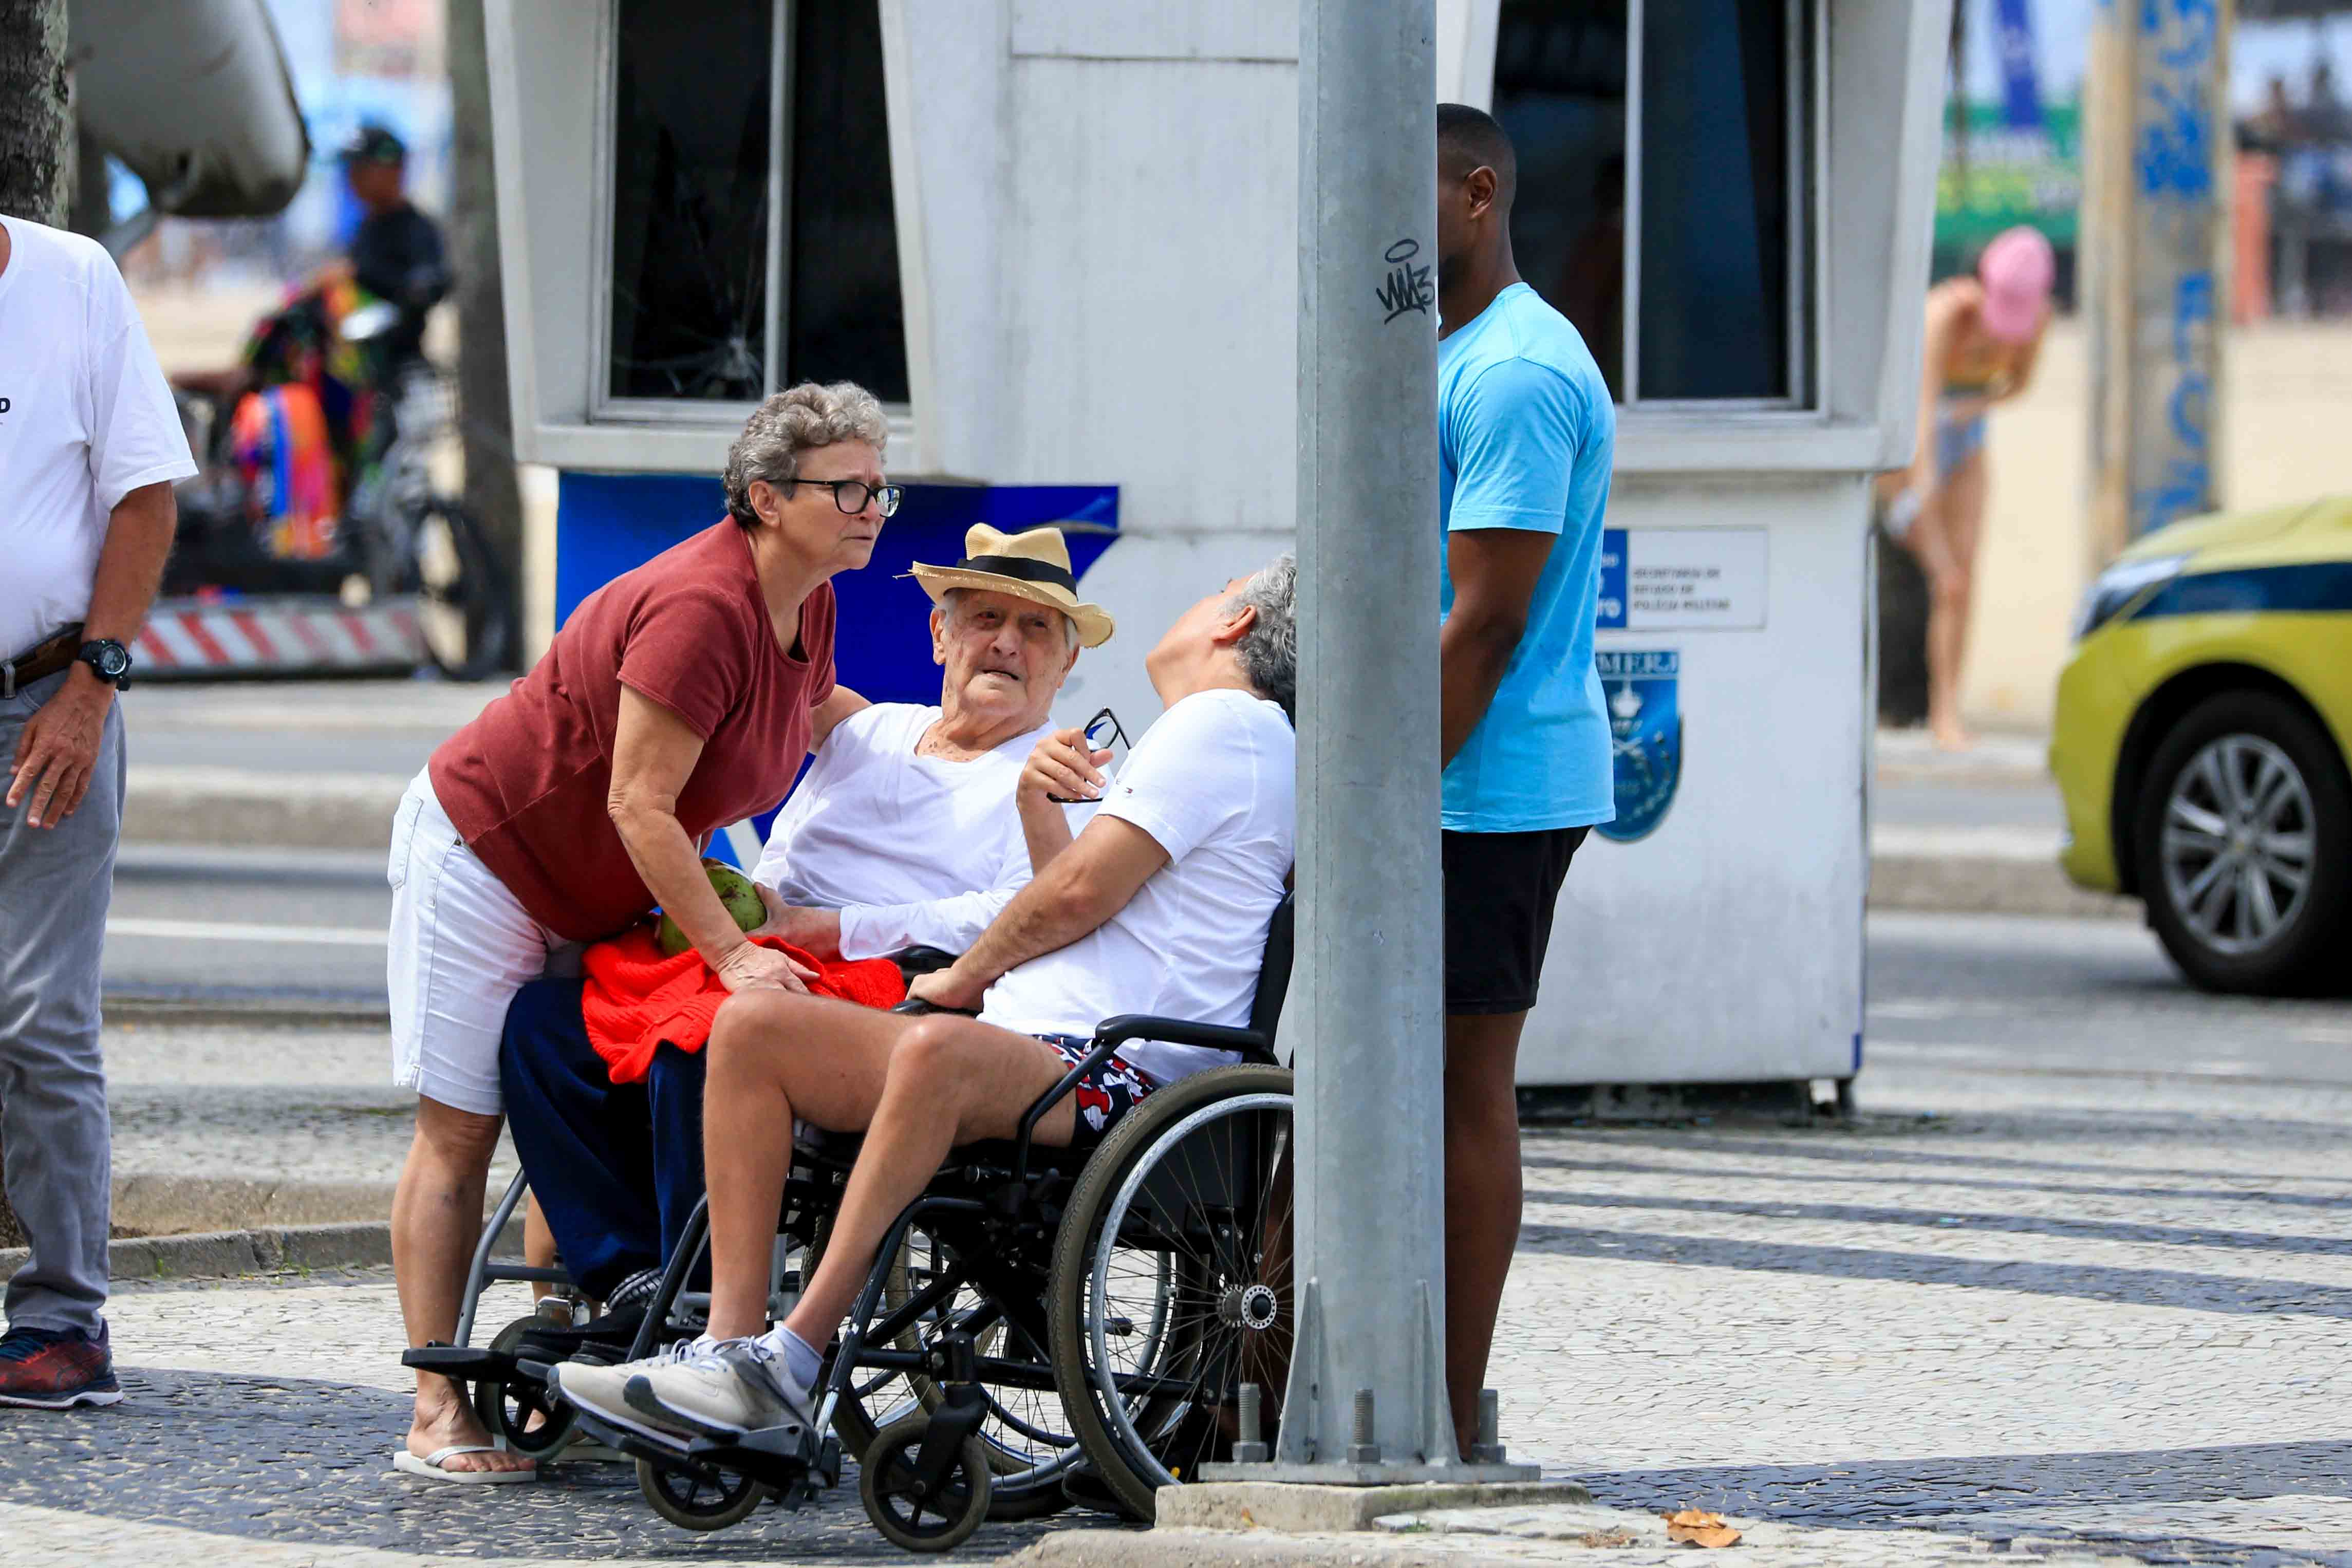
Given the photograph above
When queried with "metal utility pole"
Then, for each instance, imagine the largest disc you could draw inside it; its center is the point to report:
(2155, 239)
(1367, 1398)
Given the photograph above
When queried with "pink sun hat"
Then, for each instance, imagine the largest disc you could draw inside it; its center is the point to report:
(2017, 270)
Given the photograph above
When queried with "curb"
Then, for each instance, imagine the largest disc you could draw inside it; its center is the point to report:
(1981, 871)
(1947, 870)
(233, 1253)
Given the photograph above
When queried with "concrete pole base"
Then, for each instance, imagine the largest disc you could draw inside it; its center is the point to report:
(1321, 1497)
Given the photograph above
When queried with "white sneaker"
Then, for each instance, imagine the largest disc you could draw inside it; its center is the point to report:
(740, 1385)
(601, 1391)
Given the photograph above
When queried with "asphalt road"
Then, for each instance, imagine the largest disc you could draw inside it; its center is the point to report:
(231, 925)
(2008, 994)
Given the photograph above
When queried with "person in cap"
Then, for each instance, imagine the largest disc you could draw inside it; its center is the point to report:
(1984, 333)
(678, 698)
(904, 832)
(396, 254)
(1161, 904)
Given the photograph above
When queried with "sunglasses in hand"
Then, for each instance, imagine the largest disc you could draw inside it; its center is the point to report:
(1100, 731)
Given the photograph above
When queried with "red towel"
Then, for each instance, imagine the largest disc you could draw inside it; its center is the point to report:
(635, 998)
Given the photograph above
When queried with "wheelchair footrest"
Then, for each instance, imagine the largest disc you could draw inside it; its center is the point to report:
(467, 1363)
(786, 1458)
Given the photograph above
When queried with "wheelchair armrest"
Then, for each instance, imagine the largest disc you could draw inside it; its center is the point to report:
(1180, 1032)
(914, 960)
(915, 1006)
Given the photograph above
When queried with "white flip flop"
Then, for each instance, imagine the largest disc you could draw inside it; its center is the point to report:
(429, 1467)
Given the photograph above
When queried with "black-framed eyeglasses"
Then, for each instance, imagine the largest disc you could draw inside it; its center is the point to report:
(1100, 731)
(851, 495)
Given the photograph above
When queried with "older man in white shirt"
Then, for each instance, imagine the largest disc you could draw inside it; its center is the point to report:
(905, 832)
(90, 443)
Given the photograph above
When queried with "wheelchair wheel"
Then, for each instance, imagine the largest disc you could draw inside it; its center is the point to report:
(462, 614)
(507, 1408)
(1172, 1278)
(940, 1523)
(699, 1499)
(1028, 1449)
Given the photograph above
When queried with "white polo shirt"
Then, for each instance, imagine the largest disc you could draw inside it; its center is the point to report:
(85, 417)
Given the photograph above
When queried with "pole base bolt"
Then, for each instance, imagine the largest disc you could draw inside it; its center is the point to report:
(1488, 1448)
(1363, 1446)
(1249, 1446)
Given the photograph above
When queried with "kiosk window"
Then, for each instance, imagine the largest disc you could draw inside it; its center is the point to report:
(709, 303)
(1709, 232)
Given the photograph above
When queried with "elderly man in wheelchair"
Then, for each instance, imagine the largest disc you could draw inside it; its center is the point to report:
(1161, 907)
(902, 840)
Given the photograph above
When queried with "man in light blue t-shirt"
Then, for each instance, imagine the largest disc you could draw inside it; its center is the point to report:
(1526, 430)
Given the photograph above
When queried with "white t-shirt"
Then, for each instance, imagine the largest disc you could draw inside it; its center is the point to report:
(913, 851)
(85, 417)
(1215, 783)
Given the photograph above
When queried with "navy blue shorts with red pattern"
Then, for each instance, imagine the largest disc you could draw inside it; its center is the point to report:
(1103, 1095)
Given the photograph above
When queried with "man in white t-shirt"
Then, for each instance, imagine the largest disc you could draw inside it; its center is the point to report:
(902, 834)
(1160, 905)
(90, 443)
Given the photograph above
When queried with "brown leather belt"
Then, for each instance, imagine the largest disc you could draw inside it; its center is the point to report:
(40, 661)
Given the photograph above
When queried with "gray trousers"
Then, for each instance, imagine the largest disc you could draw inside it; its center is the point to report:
(55, 883)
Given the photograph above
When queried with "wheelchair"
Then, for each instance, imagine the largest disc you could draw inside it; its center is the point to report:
(1031, 1313)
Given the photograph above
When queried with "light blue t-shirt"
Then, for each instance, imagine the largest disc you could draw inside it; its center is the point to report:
(1526, 437)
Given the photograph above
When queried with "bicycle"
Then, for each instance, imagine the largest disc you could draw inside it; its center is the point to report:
(396, 537)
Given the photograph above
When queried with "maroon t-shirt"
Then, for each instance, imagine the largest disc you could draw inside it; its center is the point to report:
(525, 783)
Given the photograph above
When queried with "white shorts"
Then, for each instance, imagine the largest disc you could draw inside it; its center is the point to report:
(461, 946)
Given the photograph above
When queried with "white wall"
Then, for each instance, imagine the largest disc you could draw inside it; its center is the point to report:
(1097, 207)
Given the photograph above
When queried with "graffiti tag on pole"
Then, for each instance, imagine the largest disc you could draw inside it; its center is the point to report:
(1408, 287)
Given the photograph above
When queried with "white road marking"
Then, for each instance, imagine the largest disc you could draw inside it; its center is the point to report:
(227, 931)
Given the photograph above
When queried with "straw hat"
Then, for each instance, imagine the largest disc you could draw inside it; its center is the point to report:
(1033, 566)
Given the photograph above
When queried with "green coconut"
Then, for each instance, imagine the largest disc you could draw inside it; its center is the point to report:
(735, 890)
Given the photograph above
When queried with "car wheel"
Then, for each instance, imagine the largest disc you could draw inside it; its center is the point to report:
(2244, 845)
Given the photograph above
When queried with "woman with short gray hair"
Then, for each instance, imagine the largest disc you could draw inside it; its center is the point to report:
(680, 698)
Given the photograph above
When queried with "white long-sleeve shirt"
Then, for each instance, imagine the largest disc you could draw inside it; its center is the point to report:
(913, 851)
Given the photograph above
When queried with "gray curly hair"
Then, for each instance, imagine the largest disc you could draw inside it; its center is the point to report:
(796, 420)
(1269, 649)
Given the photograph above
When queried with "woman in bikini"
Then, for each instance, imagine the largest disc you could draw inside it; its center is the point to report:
(1983, 334)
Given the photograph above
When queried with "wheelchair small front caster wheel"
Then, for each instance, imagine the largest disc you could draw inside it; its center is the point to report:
(700, 1500)
(939, 1521)
(508, 1409)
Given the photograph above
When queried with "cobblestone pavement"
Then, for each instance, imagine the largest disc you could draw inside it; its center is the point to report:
(2048, 1292)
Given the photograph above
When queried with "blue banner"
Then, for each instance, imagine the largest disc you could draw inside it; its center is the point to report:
(2020, 78)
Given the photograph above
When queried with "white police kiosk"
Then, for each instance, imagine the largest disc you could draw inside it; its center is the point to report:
(1059, 238)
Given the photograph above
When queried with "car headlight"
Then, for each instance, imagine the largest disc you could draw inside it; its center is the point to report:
(2118, 585)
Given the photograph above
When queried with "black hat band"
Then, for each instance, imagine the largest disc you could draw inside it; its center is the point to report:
(1019, 566)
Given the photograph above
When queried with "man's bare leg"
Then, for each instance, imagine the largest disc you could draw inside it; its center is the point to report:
(1481, 1197)
(775, 1055)
(949, 1080)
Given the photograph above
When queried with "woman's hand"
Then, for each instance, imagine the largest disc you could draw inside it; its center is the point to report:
(1061, 768)
(751, 967)
(815, 932)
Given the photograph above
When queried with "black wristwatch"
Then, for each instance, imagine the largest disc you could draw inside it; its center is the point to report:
(108, 659)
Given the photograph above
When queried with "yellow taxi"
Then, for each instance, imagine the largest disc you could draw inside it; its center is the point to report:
(2200, 739)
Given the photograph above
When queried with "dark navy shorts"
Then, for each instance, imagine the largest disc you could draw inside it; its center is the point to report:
(1103, 1095)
